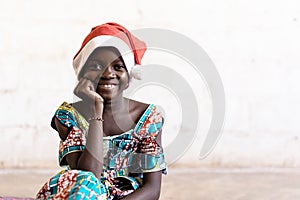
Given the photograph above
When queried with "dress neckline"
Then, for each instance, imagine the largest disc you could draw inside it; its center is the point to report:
(141, 120)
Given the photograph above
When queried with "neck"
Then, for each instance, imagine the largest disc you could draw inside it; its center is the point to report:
(115, 105)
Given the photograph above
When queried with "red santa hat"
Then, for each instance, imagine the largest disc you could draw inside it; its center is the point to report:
(114, 35)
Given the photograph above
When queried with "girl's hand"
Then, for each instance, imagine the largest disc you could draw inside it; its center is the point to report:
(85, 90)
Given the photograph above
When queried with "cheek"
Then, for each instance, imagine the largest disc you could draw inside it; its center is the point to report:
(125, 81)
(128, 79)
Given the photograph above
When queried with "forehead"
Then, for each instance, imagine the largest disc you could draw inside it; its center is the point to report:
(107, 54)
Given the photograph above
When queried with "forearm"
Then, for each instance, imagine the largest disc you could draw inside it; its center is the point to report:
(92, 156)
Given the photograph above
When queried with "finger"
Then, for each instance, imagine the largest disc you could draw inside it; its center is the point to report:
(91, 77)
(86, 90)
(83, 89)
(78, 90)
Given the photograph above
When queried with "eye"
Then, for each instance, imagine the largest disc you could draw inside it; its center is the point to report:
(96, 66)
(119, 67)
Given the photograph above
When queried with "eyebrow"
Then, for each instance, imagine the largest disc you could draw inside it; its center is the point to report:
(115, 61)
(118, 60)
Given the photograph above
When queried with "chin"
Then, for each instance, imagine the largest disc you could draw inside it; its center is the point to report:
(108, 97)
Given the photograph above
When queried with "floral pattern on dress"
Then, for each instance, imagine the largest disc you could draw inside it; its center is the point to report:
(126, 157)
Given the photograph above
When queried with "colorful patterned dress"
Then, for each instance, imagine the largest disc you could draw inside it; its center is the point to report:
(126, 157)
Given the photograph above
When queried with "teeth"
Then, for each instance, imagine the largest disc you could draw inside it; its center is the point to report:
(109, 86)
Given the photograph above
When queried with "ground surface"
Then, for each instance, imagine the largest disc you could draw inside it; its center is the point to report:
(183, 183)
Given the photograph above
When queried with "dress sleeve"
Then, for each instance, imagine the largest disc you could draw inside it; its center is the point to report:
(75, 140)
(151, 154)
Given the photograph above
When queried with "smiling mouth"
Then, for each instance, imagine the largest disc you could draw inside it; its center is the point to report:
(107, 86)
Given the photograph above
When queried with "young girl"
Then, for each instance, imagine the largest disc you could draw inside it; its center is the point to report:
(111, 144)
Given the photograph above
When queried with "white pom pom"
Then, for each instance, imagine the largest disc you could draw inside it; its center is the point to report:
(136, 72)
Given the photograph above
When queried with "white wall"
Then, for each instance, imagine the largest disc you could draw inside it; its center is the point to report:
(254, 45)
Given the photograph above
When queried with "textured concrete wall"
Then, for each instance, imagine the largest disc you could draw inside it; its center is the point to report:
(254, 45)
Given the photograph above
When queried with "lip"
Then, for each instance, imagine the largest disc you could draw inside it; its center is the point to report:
(107, 83)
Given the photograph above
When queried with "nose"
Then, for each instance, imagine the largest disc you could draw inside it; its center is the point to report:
(108, 73)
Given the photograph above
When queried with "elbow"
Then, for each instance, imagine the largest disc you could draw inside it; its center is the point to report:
(96, 173)
(87, 163)
(96, 170)
(92, 167)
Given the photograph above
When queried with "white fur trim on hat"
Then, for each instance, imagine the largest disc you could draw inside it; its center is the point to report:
(136, 72)
(104, 41)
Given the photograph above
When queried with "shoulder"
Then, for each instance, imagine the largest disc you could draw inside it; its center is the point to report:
(150, 110)
(137, 107)
(66, 117)
(66, 114)
(151, 119)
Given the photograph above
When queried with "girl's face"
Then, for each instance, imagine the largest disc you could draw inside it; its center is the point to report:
(107, 68)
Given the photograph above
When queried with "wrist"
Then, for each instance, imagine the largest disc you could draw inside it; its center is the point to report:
(95, 119)
(96, 111)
